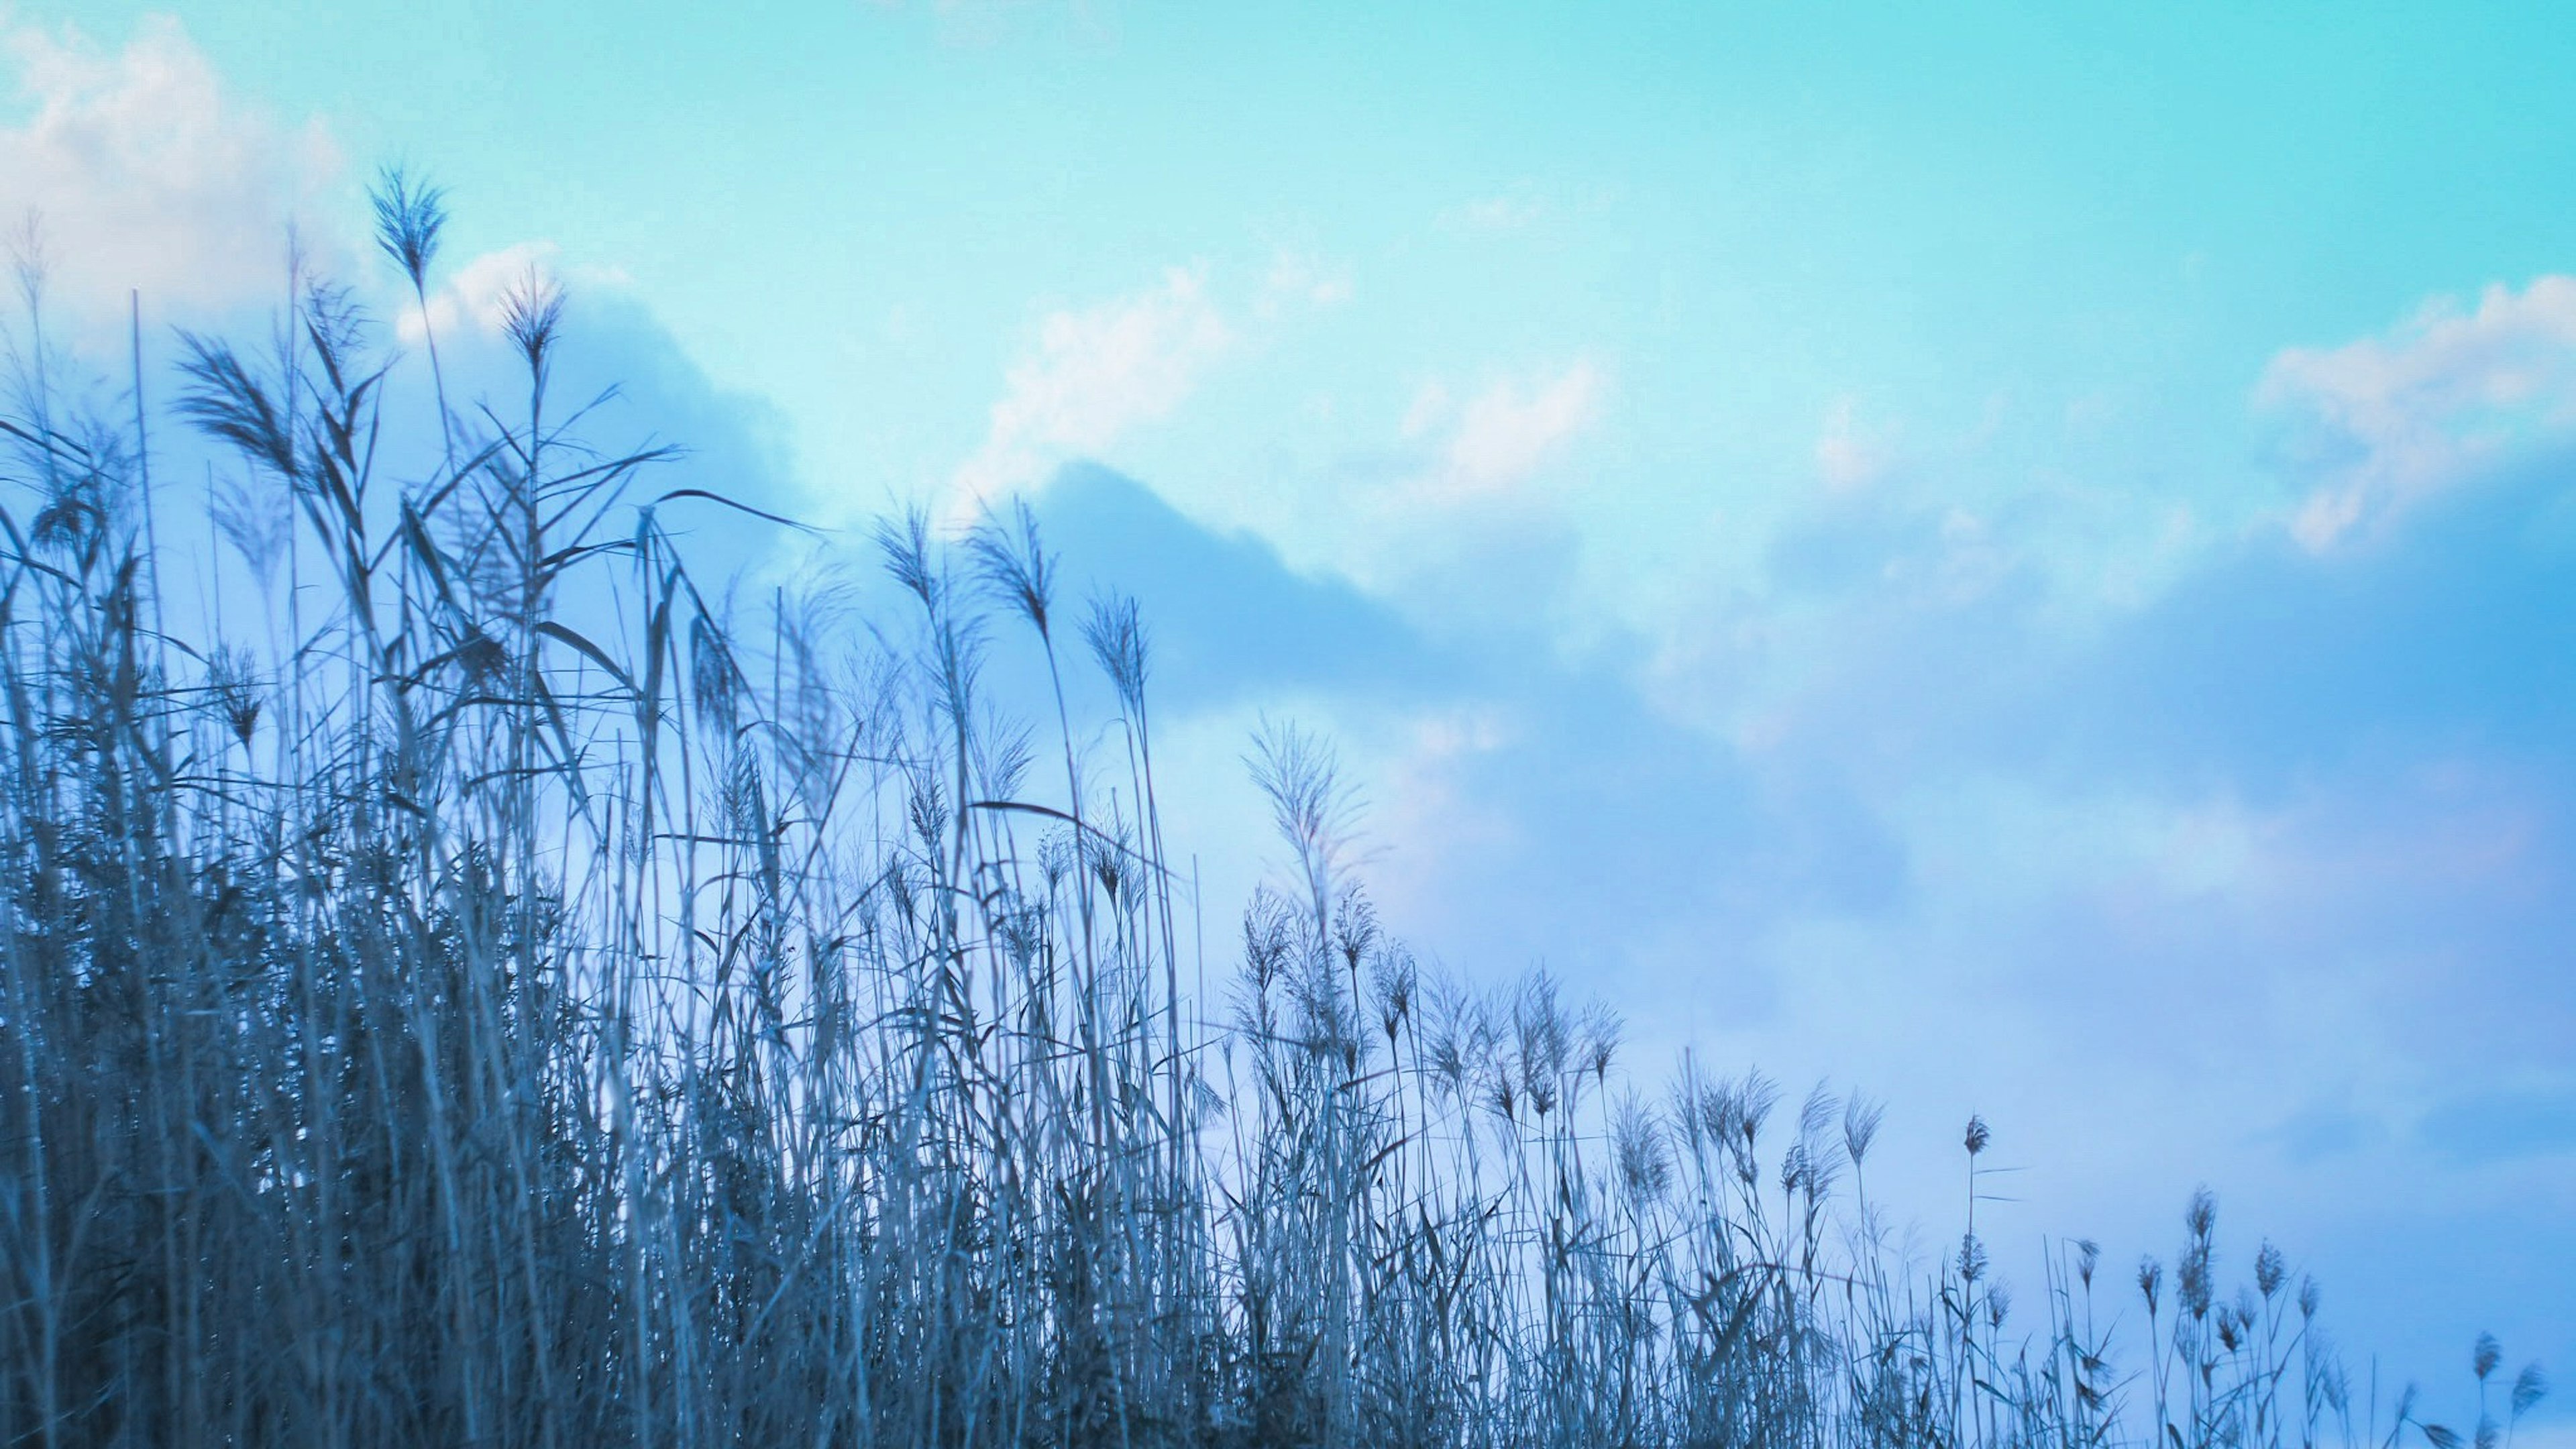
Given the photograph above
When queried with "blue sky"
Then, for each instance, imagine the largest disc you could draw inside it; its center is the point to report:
(2011, 556)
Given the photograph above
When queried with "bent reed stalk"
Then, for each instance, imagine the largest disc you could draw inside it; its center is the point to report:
(502, 1008)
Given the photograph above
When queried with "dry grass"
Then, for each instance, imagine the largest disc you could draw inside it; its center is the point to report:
(517, 1004)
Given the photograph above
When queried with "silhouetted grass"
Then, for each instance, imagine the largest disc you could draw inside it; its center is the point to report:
(519, 1004)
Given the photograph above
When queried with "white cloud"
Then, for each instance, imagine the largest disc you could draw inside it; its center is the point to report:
(478, 294)
(1509, 431)
(146, 175)
(1096, 375)
(1470, 512)
(2392, 420)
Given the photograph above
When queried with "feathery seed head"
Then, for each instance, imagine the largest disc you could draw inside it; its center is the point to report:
(531, 315)
(2202, 1217)
(410, 214)
(2193, 1281)
(904, 545)
(232, 680)
(1861, 1120)
(2529, 1388)
(1599, 1033)
(1013, 565)
(1645, 1159)
(1119, 642)
(2270, 1269)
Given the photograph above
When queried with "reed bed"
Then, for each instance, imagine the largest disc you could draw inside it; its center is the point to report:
(526, 1002)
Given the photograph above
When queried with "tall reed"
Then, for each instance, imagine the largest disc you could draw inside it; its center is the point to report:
(524, 1003)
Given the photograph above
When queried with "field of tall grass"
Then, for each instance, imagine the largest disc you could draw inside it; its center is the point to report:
(504, 995)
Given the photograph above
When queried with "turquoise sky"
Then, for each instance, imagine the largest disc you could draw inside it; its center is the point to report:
(2014, 556)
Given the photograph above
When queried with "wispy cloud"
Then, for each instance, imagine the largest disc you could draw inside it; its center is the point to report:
(145, 173)
(1504, 435)
(1096, 374)
(1510, 431)
(1470, 511)
(2384, 422)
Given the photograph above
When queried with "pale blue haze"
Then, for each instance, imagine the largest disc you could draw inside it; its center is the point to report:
(1812, 522)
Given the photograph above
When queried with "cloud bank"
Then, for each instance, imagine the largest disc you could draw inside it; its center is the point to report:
(2387, 422)
(144, 172)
